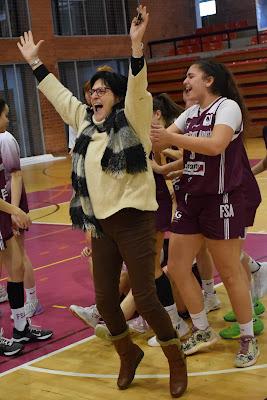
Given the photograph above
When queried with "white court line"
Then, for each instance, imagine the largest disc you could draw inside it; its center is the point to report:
(70, 346)
(142, 376)
(51, 223)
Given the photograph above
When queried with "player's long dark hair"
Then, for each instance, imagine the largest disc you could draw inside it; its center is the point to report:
(224, 83)
(2, 105)
(169, 109)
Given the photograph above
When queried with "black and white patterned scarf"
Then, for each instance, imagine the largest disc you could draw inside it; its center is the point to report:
(124, 154)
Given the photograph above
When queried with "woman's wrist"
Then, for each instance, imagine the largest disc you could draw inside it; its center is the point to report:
(35, 63)
(15, 210)
(137, 49)
(173, 139)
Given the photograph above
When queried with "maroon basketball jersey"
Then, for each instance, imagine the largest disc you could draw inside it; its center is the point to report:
(3, 192)
(5, 219)
(205, 174)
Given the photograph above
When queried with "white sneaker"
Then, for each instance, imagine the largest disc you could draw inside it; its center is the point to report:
(102, 332)
(152, 342)
(211, 302)
(260, 280)
(33, 308)
(89, 315)
(3, 294)
(138, 324)
(182, 329)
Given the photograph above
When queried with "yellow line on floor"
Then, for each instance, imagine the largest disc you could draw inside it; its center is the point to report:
(55, 306)
(50, 265)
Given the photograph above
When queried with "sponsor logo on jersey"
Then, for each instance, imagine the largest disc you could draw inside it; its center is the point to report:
(194, 168)
(206, 133)
(177, 215)
(207, 120)
(4, 194)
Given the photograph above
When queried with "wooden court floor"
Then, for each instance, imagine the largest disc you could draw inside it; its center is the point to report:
(87, 370)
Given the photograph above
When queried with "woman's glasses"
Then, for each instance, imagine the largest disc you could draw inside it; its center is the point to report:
(99, 91)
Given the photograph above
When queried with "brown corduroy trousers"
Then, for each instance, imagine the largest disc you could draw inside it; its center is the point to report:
(129, 236)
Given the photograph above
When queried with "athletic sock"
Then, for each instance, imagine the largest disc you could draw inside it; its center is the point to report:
(208, 286)
(254, 266)
(246, 329)
(31, 294)
(200, 320)
(15, 292)
(19, 318)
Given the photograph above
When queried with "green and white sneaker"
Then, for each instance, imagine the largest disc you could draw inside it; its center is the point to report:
(199, 340)
(258, 310)
(248, 353)
(233, 331)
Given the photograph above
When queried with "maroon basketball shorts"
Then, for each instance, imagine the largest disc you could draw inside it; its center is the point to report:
(164, 215)
(250, 213)
(6, 232)
(219, 216)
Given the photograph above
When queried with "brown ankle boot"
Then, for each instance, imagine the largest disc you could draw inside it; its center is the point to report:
(177, 364)
(130, 357)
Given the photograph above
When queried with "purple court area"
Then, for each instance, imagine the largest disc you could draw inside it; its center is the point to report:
(63, 279)
(43, 198)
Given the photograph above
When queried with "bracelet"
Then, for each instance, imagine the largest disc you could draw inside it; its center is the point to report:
(35, 62)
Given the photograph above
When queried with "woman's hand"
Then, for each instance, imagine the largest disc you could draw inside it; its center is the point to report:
(20, 219)
(138, 27)
(173, 154)
(174, 174)
(28, 48)
(160, 137)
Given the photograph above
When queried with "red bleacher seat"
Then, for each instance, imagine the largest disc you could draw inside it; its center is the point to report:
(213, 46)
(171, 52)
(195, 48)
(215, 38)
(200, 31)
(219, 27)
(188, 42)
(242, 24)
(233, 35)
(253, 40)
